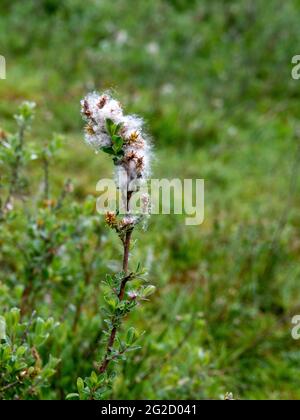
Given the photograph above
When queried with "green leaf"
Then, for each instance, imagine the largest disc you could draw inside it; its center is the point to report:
(148, 290)
(111, 301)
(133, 348)
(118, 126)
(118, 157)
(12, 319)
(80, 385)
(110, 126)
(108, 150)
(131, 336)
(118, 143)
(72, 396)
(21, 350)
(94, 378)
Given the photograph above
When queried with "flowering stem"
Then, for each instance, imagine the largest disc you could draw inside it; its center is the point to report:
(122, 137)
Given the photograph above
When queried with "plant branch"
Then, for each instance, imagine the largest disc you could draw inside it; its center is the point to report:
(87, 278)
(15, 168)
(9, 386)
(112, 337)
(46, 178)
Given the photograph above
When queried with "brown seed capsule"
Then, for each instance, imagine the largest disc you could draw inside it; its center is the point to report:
(23, 374)
(2, 135)
(140, 164)
(69, 187)
(86, 109)
(111, 219)
(89, 129)
(102, 102)
(133, 137)
(130, 156)
(49, 203)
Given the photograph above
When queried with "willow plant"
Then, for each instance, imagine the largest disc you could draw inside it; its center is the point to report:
(122, 137)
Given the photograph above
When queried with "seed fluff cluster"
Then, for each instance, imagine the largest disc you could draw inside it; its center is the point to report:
(109, 130)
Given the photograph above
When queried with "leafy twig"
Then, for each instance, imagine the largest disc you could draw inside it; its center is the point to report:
(112, 337)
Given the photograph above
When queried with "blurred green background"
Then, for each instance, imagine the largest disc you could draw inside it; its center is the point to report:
(213, 81)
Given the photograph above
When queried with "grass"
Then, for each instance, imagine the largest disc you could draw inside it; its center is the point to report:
(217, 95)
